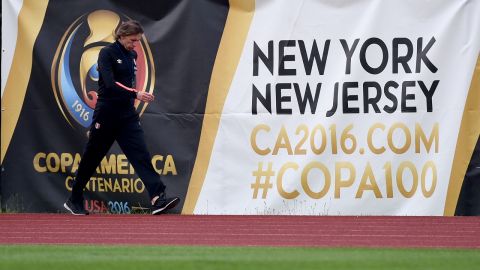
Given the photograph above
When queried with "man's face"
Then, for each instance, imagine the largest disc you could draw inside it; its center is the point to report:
(129, 42)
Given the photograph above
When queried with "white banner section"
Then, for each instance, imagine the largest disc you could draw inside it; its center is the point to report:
(344, 108)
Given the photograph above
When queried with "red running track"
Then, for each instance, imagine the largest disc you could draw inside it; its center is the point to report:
(311, 231)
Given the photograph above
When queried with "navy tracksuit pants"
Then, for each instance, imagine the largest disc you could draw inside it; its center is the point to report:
(129, 135)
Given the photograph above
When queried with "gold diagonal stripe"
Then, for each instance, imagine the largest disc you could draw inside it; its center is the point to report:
(30, 20)
(467, 138)
(234, 35)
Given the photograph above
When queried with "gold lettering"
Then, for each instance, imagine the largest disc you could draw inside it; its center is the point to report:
(116, 186)
(429, 165)
(122, 164)
(364, 185)
(318, 150)
(139, 186)
(36, 162)
(400, 185)
(299, 150)
(169, 166)
(282, 142)
(339, 182)
(305, 185)
(69, 183)
(76, 161)
(101, 185)
(155, 159)
(253, 140)
(66, 160)
(388, 179)
(281, 191)
(374, 149)
(108, 184)
(427, 142)
(53, 162)
(408, 138)
(108, 164)
(125, 184)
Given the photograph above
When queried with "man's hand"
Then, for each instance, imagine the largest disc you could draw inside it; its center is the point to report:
(145, 96)
(141, 95)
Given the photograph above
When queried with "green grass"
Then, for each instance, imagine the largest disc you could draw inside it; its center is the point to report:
(178, 258)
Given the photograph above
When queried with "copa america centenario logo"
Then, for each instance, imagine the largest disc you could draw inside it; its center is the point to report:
(74, 73)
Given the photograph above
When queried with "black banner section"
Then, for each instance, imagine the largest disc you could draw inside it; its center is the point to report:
(178, 54)
(469, 200)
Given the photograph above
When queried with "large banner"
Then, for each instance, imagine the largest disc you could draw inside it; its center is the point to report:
(277, 107)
